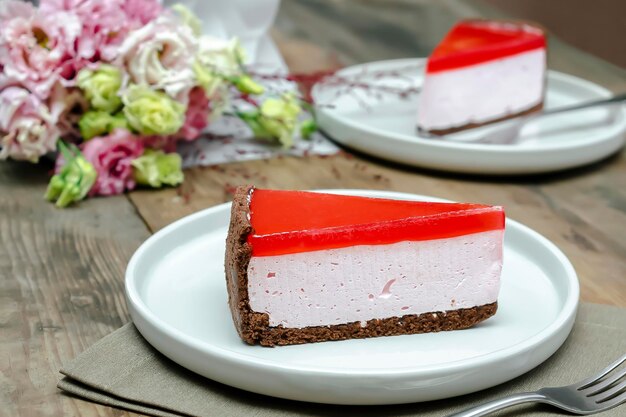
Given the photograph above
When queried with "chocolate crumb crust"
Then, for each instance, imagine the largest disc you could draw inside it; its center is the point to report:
(249, 325)
(449, 131)
(254, 328)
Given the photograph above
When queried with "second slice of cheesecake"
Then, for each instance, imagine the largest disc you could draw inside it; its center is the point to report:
(482, 72)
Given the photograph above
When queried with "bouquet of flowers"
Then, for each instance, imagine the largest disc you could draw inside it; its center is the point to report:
(113, 85)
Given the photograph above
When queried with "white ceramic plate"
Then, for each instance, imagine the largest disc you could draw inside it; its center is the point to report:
(385, 126)
(176, 293)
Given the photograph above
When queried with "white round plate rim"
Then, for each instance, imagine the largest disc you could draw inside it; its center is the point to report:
(537, 156)
(139, 309)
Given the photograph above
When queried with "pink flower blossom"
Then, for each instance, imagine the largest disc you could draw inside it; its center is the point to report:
(6, 81)
(161, 55)
(11, 9)
(105, 22)
(111, 157)
(197, 116)
(28, 129)
(134, 13)
(142, 12)
(103, 26)
(36, 49)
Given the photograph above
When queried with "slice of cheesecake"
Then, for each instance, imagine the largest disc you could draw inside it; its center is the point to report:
(308, 267)
(483, 72)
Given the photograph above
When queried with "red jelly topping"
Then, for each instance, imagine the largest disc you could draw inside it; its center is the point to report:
(471, 42)
(297, 221)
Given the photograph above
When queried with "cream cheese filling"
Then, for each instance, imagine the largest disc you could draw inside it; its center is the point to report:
(482, 92)
(360, 283)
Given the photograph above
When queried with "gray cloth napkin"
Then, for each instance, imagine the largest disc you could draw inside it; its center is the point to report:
(123, 370)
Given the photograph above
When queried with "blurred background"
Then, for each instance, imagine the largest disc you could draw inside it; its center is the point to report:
(597, 27)
(405, 28)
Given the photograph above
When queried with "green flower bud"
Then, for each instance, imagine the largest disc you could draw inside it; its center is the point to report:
(55, 187)
(307, 128)
(285, 107)
(100, 123)
(94, 123)
(247, 85)
(276, 119)
(252, 120)
(101, 87)
(118, 121)
(69, 194)
(82, 174)
(155, 169)
(73, 181)
(152, 112)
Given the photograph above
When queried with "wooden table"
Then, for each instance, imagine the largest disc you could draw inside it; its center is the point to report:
(62, 271)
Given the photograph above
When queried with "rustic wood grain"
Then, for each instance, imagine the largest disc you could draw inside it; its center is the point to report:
(61, 288)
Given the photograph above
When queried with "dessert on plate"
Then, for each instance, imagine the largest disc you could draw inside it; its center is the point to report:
(483, 72)
(309, 267)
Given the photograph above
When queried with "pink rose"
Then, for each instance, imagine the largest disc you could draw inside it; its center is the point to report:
(36, 49)
(111, 157)
(28, 129)
(161, 55)
(197, 116)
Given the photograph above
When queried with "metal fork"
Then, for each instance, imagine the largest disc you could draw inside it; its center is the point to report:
(593, 395)
(507, 132)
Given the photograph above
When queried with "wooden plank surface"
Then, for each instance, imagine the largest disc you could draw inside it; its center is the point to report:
(61, 287)
(61, 271)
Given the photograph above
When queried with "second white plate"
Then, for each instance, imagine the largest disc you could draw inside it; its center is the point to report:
(176, 293)
(385, 125)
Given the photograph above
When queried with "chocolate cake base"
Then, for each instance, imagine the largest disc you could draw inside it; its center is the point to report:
(393, 326)
(457, 129)
(254, 328)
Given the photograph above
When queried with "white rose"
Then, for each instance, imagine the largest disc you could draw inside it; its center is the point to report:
(161, 55)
